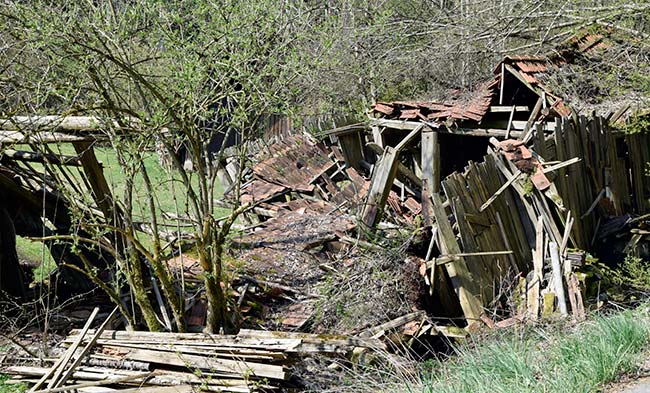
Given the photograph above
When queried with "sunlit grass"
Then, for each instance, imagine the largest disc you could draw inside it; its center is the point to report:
(555, 357)
(10, 388)
(169, 194)
(547, 360)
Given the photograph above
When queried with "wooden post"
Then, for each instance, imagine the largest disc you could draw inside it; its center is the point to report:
(377, 137)
(352, 149)
(460, 276)
(382, 180)
(538, 265)
(558, 287)
(430, 156)
(436, 164)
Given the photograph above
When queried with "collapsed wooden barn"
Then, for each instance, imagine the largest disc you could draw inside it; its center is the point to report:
(503, 189)
(550, 178)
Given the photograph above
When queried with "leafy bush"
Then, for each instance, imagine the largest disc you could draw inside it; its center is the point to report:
(636, 272)
(10, 388)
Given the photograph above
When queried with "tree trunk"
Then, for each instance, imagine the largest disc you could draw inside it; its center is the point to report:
(141, 297)
(11, 274)
(216, 315)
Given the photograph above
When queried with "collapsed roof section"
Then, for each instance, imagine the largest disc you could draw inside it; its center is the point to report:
(523, 90)
(549, 178)
(473, 109)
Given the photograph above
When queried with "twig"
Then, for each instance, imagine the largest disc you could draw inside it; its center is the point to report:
(18, 344)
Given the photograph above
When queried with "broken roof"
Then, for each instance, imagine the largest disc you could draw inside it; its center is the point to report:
(534, 71)
(473, 109)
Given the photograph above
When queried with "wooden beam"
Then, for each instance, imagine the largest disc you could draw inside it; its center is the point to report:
(487, 132)
(531, 119)
(444, 259)
(483, 132)
(344, 130)
(403, 172)
(508, 108)
(19, 137)
(503, 82)
(100, 190)
(396, 124)
(499, 191)
(68, 123)
(31, 156)
(460, 276)
(617, 115)
(518, 125)
(517, 75)
(380, 184)
(408, 138)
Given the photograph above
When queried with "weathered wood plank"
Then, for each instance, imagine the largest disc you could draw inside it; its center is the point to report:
(380, 185)
(228, 366)
(461, 279)
(352, 149)
(558, 287)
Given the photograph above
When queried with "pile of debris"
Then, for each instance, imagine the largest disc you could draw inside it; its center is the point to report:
(252, 360)
(508, 186)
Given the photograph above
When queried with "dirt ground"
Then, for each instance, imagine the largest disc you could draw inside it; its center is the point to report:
(638, 382)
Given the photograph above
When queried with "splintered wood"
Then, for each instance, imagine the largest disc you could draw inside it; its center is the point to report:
(252, 360)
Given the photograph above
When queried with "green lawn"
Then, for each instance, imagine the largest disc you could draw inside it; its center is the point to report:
(168, 191)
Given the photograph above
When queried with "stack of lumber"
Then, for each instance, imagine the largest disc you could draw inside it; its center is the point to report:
(178, 362)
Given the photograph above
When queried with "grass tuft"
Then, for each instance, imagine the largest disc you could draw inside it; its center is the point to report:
(11, 388)
(552, 358)
(593, 354)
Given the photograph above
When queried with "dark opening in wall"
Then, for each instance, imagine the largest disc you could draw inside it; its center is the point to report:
(457, 150)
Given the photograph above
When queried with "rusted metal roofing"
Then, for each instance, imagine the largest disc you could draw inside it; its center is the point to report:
(532, 69)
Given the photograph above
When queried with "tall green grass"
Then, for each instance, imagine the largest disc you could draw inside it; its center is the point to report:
(588, 357)
(11, 388)
(555, 358)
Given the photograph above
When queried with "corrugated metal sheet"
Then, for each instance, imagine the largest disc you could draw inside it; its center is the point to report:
(532, 67)
(288, 164)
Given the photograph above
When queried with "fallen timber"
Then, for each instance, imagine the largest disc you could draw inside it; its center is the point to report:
(249, 361)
